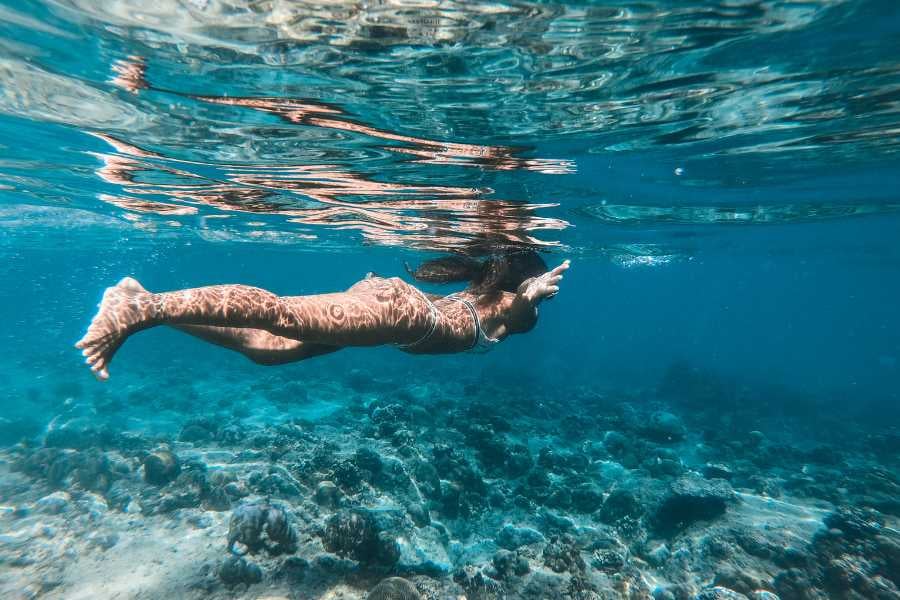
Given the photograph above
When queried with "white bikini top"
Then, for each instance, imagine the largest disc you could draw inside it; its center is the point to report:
(481, 344)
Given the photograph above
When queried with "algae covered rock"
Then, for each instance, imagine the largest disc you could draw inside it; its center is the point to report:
(54, 503)
(587, 498)
(389, 418)
(195, 432)
(717, 471)
(368, 460)
(692, 499)
(561, 555)
(620, 504)
(161, 467)
(357, 534)
(328, 494)
(509, 563)
(720, 593)
(423, 551)
(606, 559)
(512, 537)
(394, 588)
(855, 523)
(418, 512)
(78, 433)
(664, 427)
(236, 570)
(262, 526)
(476, 583)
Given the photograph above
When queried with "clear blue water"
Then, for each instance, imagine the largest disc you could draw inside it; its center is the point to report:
(724, 176)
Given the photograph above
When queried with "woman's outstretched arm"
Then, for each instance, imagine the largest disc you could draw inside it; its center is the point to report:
(531, 292)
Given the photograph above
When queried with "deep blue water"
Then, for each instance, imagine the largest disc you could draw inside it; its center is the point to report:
(724, 177)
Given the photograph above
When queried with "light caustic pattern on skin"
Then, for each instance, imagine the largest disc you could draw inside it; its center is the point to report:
(421, 216)
(373, 312)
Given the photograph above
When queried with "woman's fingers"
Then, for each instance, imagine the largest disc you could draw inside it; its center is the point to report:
(556, 275)
(564, 266)
(552, 277)
(547, 284)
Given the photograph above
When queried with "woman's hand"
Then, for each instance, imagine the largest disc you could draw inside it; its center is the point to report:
(544, 286)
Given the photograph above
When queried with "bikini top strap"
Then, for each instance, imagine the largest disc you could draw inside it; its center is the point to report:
(476, 321)
(434, 320)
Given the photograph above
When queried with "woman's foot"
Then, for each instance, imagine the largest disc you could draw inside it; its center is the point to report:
(123, 309)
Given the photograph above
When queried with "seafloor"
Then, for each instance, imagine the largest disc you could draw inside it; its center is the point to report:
(269, 487)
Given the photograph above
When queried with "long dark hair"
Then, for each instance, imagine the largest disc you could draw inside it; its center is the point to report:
(503, 272)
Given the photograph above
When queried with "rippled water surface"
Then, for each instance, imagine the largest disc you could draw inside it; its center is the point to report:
(447, 125)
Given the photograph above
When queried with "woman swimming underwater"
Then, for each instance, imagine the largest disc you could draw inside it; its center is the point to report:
(501, 299)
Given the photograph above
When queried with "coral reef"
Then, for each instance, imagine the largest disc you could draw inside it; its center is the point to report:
(394, 588)
(258, 527)
(393, 490)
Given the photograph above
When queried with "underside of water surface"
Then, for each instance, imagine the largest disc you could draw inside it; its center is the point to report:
(708, 409)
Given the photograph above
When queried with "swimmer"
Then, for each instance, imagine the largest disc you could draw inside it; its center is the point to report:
(501, 299)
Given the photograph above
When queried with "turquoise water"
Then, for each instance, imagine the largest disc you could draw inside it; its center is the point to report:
(723, 176)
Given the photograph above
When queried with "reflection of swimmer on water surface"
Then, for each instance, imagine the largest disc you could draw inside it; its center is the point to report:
(131, 76)
(427, 216)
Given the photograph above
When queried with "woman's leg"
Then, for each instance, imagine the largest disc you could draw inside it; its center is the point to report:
(384, 311)
(260, 346)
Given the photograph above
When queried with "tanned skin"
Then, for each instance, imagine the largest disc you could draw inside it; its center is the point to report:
(271, 329)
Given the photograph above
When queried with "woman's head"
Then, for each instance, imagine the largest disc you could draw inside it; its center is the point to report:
(503, 272)
(507, 271)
